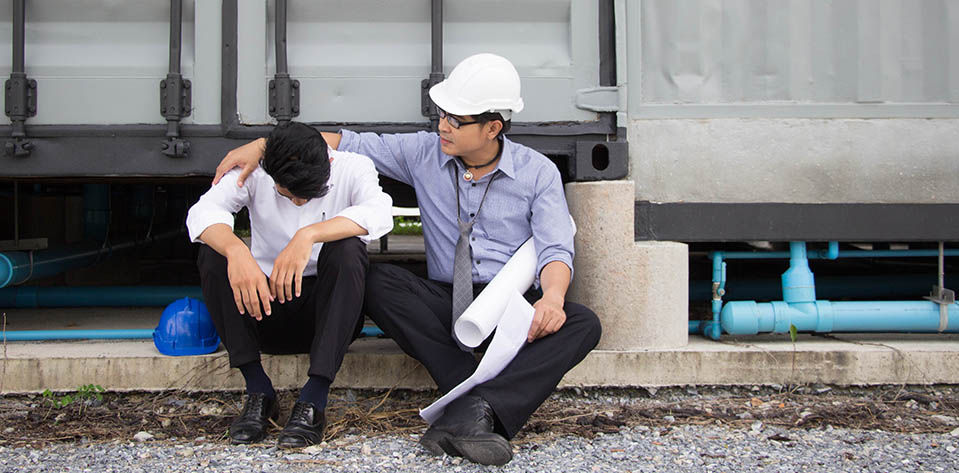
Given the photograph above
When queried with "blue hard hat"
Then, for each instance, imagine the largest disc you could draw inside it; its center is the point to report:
(186, 329)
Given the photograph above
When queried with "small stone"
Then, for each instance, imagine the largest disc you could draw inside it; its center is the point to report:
(185, 452)
(211, 410)
(776, 387)
(948, 420)
(652, 390)
(456, 461)
(313, 450)
(669, 418)
(823, 390)
(757, 426)
(165, 423)
(144, 455)
(366, 449)
(744, 415)
(955, 432)
(912, 404)
(199, 439)
(142, 436)
(9, 430)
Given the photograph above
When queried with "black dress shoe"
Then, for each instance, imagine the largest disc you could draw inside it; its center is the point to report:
(304, 428)
(250, 426)
(466, 429)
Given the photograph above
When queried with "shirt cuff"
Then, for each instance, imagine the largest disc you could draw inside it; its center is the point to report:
(549, 257)
(197, 227)
(347, 140)
(375, 225)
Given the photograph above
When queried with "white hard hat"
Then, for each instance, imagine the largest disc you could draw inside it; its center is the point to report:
(481, 83)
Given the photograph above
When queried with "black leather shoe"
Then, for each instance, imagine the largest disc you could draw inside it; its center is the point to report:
(304, 428)
(250, 426)
(466, 430)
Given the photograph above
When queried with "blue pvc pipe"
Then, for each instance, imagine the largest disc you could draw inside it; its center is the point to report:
(800, 308)
(100, 296)
(41, 335)
(38, 335)
(751, 318)
(16, 267)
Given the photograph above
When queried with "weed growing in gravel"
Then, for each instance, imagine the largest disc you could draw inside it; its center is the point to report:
(85, 394)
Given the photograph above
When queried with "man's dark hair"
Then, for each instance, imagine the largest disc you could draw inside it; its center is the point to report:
(491, 117)
(296, 159)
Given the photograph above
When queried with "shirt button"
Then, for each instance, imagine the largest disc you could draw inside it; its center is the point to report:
(473, 184)
(478, 261)
(472, 215)
(474, 238)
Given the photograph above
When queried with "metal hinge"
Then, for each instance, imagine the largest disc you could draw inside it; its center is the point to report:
(426, 103)
(176, 99)
(20, 103)
(599, 99)
(284, 97)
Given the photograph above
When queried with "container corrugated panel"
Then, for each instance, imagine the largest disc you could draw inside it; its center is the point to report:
(363, 61)
(100, 62)
(800, 51)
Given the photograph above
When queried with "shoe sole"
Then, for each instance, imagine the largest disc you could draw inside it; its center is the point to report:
(437, 443)
(486, 450)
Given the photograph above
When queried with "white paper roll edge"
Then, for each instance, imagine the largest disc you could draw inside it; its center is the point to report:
(482, 316)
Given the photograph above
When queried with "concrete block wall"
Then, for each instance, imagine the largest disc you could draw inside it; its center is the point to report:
(639, 290)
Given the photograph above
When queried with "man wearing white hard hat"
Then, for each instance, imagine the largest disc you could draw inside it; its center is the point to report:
(481, 196)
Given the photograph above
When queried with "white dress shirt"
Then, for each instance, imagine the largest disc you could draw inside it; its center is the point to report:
(354, 193)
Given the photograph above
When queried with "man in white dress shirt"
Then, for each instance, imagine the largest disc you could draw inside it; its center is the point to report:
(299, 287)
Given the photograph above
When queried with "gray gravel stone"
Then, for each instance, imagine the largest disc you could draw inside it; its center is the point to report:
(687, 448)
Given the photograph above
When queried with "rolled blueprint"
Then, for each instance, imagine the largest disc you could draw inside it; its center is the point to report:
(481, 317)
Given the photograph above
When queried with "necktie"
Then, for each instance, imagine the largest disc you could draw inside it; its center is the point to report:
(462, 276)
(463, 261)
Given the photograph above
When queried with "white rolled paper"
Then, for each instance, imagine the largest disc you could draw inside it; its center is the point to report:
(482, 316)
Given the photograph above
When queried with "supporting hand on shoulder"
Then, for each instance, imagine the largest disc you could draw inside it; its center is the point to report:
(247, 157)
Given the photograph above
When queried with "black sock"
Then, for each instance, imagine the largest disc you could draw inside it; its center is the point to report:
(316, 391)
(256, 379)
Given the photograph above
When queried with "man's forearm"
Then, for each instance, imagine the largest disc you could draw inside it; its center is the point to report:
(332, 139)
(554, 280)
(221, 238)
(336, 228)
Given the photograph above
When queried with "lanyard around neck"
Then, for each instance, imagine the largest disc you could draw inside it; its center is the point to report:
(456, 187)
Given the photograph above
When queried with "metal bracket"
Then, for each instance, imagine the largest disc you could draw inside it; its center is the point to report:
(175, 147)
(426, 103)
(945, 298)
(600, 160)
(284, 97)
(24, 244)
(20, 103)
(598, 99)
(940, 295)
(20, 97)
(176, 99)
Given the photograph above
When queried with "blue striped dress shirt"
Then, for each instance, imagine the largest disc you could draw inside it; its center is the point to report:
(526, 199)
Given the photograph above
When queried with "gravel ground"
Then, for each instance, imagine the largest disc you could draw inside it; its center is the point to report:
(709, 429)
(687, 448)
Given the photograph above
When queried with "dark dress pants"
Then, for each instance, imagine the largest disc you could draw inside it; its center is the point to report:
(323, 321)
(417, 313)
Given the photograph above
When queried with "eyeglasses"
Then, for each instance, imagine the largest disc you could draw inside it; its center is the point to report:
(453, 121)
(290, 197)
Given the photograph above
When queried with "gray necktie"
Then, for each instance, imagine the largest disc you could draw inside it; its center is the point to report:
(462, 276)
(463, 261)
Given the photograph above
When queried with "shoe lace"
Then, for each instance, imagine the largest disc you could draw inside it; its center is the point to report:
(302, 413)
(254, 405)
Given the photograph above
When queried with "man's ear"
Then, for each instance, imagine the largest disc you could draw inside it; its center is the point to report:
(493, 129)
